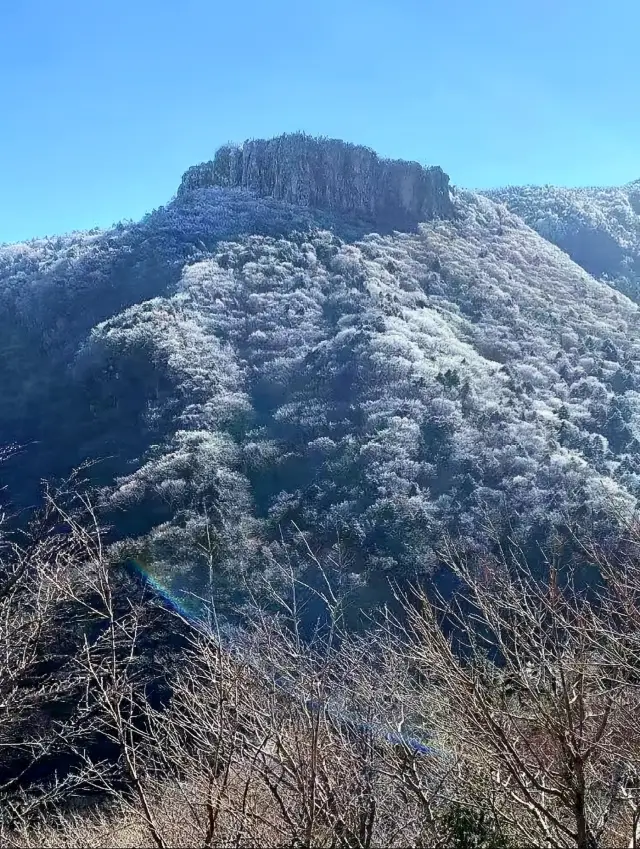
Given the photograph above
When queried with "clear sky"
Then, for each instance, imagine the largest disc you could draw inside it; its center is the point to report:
(106, 102)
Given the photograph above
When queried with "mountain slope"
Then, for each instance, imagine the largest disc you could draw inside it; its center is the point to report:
(242, 364)
(599, 228)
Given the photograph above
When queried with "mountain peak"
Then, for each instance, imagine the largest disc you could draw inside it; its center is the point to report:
(328, 174)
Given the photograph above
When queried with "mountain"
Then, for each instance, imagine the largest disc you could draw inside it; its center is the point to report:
(599, 228)
(307, 336)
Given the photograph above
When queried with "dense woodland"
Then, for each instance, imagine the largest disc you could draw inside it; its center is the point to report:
(234, 366)
(271, 402)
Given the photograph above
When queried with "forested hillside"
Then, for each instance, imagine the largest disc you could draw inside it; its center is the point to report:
(599, 228)
(240, 366)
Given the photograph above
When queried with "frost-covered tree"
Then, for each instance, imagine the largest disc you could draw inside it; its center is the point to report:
(242, 368)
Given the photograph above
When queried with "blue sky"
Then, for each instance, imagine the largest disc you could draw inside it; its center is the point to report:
(106, 102)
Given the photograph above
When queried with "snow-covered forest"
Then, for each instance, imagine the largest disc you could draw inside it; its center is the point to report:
(238, 367)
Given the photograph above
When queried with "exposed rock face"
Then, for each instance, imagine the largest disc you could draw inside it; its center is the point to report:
(329, 174)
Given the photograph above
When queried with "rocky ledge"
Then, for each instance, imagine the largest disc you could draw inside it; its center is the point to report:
(331, 175)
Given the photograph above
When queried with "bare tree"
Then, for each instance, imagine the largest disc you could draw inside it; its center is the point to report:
(506, 714)
(36, 676)
(269, 738)
(525, 680)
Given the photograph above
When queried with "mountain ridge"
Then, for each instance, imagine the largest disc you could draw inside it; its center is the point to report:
(598, 227)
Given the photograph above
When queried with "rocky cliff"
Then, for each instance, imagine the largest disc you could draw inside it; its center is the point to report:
(329, 174)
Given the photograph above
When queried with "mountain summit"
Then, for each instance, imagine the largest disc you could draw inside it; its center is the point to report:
(329, 174)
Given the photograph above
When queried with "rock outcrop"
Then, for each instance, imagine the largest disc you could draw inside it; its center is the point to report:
(331, 175)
